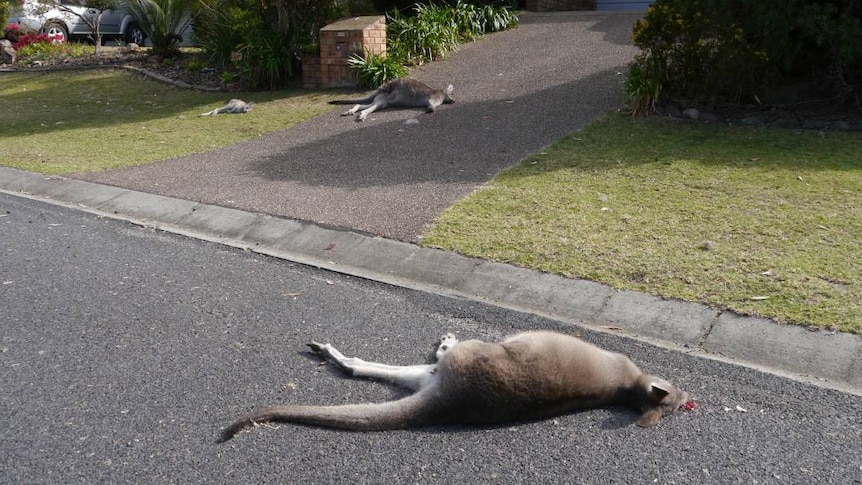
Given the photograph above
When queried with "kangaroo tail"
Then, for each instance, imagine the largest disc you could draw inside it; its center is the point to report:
(354, 101)
(409, 411)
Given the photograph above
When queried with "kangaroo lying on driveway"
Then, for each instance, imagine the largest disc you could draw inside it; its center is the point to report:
(528, 376)
(406, 93)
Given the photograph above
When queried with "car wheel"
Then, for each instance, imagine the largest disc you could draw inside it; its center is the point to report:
(57, 32)
(135, 35)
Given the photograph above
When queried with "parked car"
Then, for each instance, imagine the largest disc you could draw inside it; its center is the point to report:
(47, 17)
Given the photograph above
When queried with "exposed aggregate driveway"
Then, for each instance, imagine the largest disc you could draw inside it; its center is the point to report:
(517, 91)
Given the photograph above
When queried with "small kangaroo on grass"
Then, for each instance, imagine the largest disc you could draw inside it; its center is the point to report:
(405, 93)
(528, 376)
(232, 106)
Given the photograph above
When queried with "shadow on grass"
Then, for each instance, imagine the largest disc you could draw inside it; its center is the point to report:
(53, 101)
(663, 141)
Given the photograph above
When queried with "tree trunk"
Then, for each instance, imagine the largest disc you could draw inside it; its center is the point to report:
(97, 34)
(283, 8)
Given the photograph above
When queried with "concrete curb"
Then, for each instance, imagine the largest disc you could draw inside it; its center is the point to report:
(828, 359)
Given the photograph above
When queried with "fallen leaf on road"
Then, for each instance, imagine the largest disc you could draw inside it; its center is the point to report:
(329, 248)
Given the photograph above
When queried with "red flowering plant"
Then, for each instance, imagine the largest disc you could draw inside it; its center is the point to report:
(43, 49)
(12, 33)
(32, 38)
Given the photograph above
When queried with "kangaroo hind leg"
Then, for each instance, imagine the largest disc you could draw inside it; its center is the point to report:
(379, 103)
(352, 111)
(412, 377)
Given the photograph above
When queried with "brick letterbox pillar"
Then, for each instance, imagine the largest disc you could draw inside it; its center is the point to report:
(338, 41)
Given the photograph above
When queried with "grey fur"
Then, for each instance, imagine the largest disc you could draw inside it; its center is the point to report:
(232, 106)
(405, 93)
(528, 376)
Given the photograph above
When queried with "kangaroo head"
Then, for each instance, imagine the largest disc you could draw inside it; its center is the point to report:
(448, 97)
(657, 397)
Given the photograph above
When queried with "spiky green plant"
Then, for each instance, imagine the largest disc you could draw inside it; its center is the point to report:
(164, 21)
(432, 31)
(374, 70)
(643, 84)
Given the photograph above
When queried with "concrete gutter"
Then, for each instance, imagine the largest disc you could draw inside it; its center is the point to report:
(827, 359)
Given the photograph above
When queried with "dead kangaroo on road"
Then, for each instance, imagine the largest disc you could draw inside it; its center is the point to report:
(405, 93)
(528, 376)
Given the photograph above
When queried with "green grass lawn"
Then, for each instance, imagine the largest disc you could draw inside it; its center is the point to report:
(71, 121)
(764, 222)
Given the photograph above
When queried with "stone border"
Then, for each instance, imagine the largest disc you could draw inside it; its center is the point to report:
(788, 121)
(145, 72)
(173, 82)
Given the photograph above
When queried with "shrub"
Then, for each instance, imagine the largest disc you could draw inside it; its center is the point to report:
(425, 36)
(696, 53)
(374, 70)
(707, 50)
(164, 22)
(11, 33)
(5, 7)
(432, 31)
(219, 29)
(429, 33)
(643, 85)
(262, 40)
(33, 39)
(404, 5)
(40, 47)
(265, 61)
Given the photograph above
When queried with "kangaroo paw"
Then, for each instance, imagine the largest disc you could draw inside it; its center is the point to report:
(318, 348)
(329, 353)
(446, 343)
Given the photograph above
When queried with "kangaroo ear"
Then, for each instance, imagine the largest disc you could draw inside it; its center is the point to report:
(450, 89)
(658, 390)
(650, 418)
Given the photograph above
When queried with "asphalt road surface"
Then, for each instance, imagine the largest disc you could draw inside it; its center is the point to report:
(123, 351)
